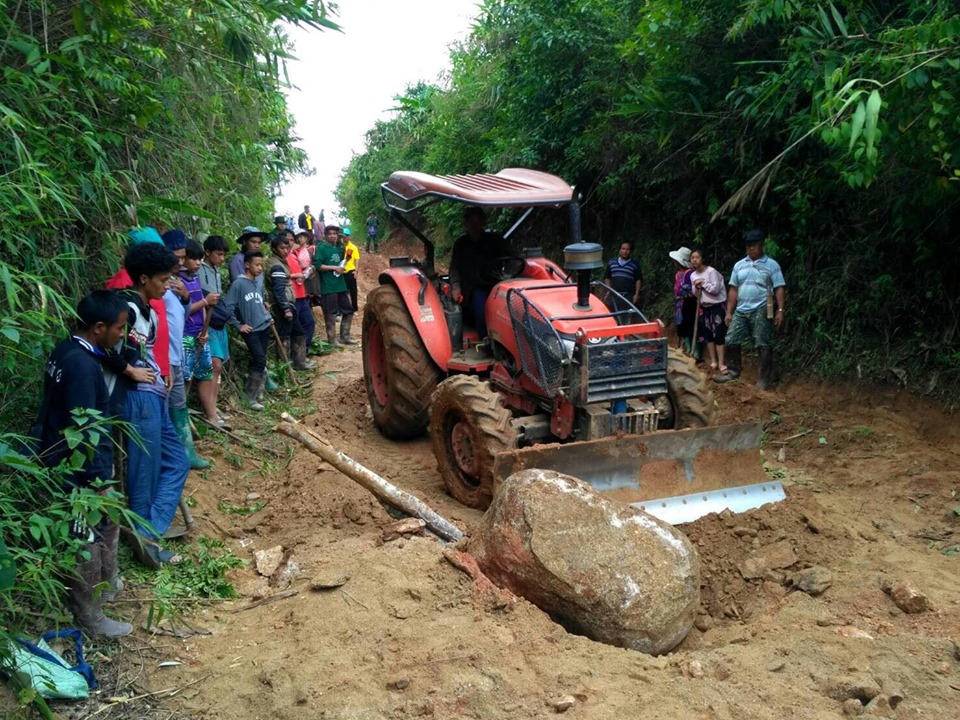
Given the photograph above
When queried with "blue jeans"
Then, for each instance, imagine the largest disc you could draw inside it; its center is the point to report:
(478, 302)
(307, 321)
(157, 472)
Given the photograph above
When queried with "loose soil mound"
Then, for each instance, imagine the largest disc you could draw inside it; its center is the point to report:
(739, 554)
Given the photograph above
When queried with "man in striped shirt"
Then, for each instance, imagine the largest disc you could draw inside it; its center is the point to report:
(623, 275)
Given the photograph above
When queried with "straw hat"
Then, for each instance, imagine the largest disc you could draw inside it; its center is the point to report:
(682, 256)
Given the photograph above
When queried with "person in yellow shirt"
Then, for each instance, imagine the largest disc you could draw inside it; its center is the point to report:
(351, 254)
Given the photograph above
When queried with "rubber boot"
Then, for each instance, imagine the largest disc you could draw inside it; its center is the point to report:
(86, 602)
(345, 324)
(287, 348)
(269, 383)
(733, 365)
(252, 387)
(181, 421)
(330, 322)
(300, 361)
(109, 569)
(765, 369)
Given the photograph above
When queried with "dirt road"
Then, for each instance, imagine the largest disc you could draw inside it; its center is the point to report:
(872, 481)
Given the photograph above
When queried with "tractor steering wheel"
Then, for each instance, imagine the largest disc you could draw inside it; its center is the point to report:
(504, 267)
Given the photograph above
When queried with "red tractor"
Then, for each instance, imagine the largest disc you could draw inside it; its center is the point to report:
(557, 365)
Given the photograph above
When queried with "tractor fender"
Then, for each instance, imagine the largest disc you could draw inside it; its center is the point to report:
(423, 303)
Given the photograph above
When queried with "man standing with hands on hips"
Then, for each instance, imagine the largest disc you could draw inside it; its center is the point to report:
(755, 283)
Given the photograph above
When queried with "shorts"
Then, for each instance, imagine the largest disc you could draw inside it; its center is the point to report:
(219, 344)
(197, 364)
(177, 397)
(751, 324)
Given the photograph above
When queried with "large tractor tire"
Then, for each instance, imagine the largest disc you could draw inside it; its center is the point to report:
(397, 369)
(468, 426)
(690, 398)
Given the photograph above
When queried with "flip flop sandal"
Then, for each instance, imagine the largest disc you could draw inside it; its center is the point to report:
(222, 415)
(168, 557)
(161, 556)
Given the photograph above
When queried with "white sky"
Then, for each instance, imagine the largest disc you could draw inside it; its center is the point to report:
(343, 82)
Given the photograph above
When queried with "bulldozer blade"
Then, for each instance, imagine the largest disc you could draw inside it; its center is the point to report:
(675, 475)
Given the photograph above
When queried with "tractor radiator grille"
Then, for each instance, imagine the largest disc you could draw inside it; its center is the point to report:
(542, 353)
(620, 370)
(640, 422)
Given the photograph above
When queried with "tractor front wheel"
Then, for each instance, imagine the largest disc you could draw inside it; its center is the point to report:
(468, 426)
(689, 402)
(397, 369)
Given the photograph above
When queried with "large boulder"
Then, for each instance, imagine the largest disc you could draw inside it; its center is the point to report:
(604, 569)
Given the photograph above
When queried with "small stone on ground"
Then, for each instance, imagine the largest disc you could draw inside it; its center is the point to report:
(814, 580)
(908, 598)
(268, 560)
(328, 580)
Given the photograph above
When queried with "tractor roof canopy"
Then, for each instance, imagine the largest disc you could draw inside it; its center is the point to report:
(511, 187)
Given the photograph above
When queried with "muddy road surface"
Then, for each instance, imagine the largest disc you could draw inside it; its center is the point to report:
(872, 480)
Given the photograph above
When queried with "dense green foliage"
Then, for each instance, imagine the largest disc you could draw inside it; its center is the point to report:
(115, 114)
(833, 125)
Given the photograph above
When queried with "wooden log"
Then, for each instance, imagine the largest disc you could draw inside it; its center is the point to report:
(368, 479)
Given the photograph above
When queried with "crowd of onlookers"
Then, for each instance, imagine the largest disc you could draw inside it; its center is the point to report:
(719, 317)
(159, 331)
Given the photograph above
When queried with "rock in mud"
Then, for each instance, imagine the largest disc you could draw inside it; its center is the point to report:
(328, 580)
(606, 570)
(401, 528)
(856, 687)
(852, 707)
(814, 580)
(775, 556)
(908, 598)
(399, 683)
(878, 707)
(268, 560)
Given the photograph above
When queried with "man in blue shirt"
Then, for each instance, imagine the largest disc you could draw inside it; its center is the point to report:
(755, 282)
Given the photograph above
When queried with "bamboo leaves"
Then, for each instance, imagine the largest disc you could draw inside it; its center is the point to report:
(872, 116)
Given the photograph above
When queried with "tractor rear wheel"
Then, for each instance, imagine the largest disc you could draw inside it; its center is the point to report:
(468, 426)
(397, 369)
(690, 397)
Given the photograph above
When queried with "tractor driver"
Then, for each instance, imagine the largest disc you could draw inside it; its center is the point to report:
(473, 253)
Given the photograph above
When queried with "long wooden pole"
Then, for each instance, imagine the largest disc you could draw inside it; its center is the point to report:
(368, 479)
(696, 323)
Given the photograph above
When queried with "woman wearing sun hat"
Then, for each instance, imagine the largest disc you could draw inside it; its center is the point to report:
(686, 301)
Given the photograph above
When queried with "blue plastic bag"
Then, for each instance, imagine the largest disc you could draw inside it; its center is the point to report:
(40, 667)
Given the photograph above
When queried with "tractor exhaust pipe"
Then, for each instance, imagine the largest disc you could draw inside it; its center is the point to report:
(583, 257)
